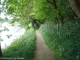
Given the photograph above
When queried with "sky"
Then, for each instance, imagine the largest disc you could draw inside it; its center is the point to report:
(2, 15)
(1, 1)
(16, 31)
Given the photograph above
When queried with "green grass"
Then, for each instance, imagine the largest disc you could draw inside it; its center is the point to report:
(64, 48)
(22, 47)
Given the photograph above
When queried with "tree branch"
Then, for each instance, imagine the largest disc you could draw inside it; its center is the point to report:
(49, 2)
(52, 3)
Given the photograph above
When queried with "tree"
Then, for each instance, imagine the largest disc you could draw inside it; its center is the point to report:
(49, 10)
(75, 4)
(42, 10)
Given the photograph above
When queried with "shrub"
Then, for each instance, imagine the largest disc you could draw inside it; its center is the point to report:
(22, 47)
(63, 46)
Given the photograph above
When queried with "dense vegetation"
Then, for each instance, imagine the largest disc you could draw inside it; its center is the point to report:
(60, 19)
(64, 47)
(21, 48)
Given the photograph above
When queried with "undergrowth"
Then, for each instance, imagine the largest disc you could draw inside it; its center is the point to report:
(65, 42)
(22, 48)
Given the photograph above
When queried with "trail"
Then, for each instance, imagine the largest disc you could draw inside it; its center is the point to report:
(42, 52)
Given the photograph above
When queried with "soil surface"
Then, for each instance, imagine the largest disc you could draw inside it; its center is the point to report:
(42, 52)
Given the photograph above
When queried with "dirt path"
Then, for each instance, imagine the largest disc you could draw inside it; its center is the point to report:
(42, 52)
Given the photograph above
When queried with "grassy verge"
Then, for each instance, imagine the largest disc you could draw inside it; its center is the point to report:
(63, 42)
(22, 48)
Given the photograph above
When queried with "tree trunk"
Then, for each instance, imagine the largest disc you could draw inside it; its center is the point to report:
(75, 6)
(68, 30)
(0, 50)
(54, 4)
(57, 24)
(55, 7)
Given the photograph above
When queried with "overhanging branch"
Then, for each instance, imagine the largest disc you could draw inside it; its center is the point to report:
(52, 3)
(49, 2)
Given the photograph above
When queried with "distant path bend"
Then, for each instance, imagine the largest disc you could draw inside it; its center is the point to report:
(42, 52)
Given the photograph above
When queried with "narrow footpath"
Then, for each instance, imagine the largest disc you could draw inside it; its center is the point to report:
(42, 52)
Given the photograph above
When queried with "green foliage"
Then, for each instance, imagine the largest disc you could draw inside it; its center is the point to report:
(64, 48)
(22, 47)
(19, 9)
(42, 10)
(45, 11)
(16, 6)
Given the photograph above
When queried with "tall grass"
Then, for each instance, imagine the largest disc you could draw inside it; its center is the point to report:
(63, 46)
(22, 48)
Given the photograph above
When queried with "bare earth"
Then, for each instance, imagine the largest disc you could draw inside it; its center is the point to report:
(42, 52)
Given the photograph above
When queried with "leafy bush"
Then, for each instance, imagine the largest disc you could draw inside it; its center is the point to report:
(21, 48)
(65, 42)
